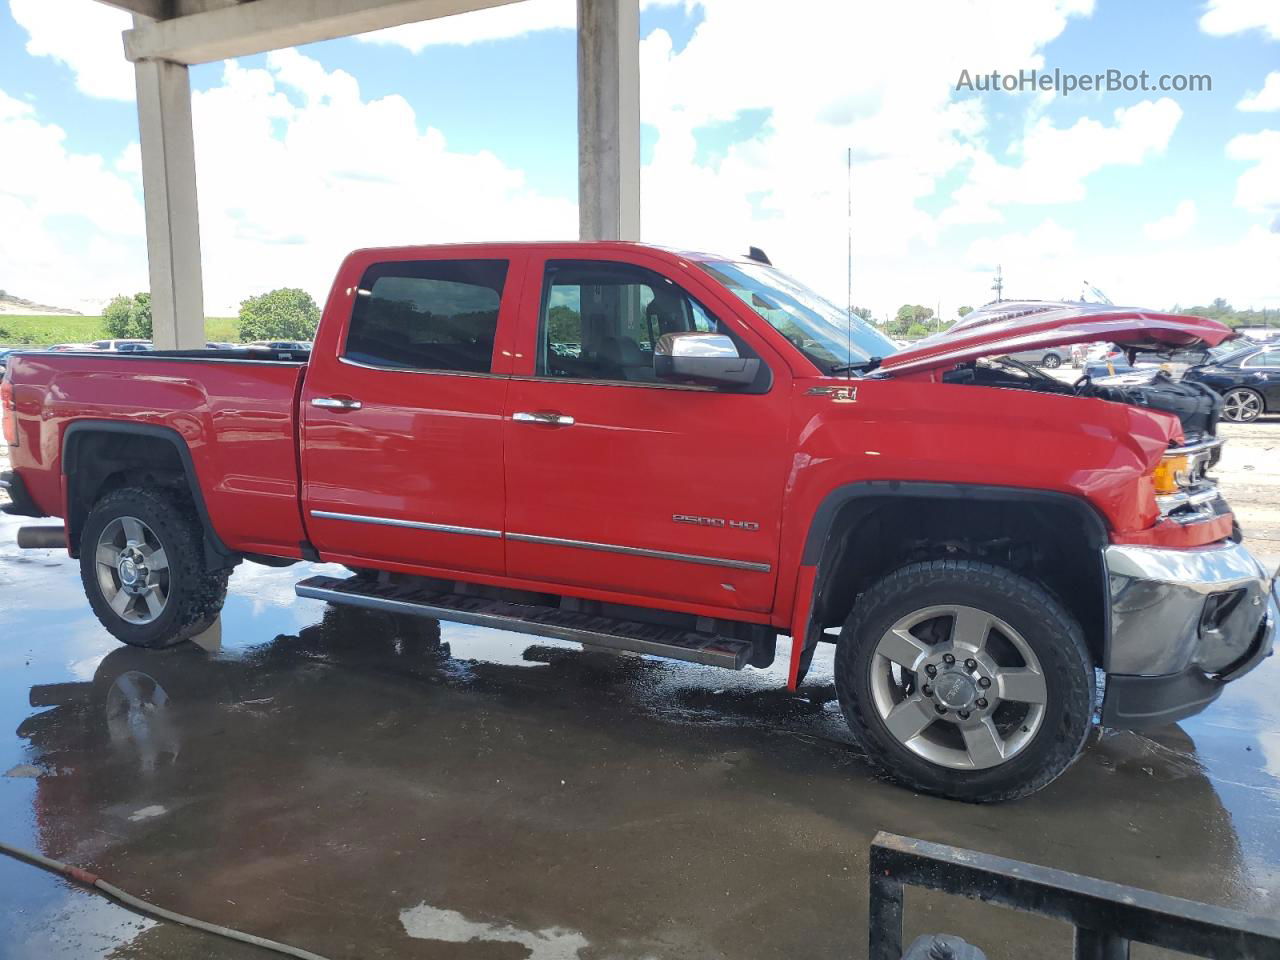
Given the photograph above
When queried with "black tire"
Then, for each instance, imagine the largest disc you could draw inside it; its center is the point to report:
(1052, 361)
(1051, 633)
(195, 594)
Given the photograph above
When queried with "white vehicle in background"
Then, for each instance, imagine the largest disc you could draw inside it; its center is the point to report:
(122, 345)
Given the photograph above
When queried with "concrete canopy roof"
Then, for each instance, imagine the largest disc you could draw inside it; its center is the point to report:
(201, 31)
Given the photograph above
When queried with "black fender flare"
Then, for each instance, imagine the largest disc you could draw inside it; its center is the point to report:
(817, 543)
(215, 549)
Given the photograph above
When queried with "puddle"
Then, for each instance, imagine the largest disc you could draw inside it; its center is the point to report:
(425, 922)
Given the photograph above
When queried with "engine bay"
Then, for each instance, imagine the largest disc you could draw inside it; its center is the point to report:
(1195, 405)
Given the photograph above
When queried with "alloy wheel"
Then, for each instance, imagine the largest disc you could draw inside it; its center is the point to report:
(1241, 406)
(958, 687)
(132, 569)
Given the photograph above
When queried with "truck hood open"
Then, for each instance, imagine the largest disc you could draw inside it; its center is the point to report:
(1014, 326)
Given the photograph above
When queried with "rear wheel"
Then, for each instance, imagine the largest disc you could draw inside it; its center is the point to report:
(1052, 361)
(966, 680)
(143, 569)
(1241, 405)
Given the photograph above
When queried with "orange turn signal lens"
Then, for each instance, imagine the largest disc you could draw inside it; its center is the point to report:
(1172, 474)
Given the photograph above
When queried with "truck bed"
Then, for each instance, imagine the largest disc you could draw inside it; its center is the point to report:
(233, 410)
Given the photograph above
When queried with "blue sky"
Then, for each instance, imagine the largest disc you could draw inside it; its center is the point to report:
(466, 129)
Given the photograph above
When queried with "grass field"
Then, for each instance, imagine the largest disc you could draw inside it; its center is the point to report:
(17, 329)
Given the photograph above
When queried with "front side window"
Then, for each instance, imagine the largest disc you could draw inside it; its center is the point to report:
(427, 315)
(600, 320)
(819, 329)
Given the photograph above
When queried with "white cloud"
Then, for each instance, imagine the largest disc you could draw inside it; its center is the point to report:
(1174, 226)
(1056, 161)
(72, 226)
(1266, 99)
(286, 191)
(823, 90)
(1050, 261)
(84, 35)
(1258, 188)
(1225, 17)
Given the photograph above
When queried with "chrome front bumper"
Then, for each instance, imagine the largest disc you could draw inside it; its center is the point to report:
(1183, 624)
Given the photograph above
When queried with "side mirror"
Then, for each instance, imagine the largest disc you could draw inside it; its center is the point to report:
(710, 358)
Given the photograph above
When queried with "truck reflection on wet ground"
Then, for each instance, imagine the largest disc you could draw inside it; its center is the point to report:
(366, 785)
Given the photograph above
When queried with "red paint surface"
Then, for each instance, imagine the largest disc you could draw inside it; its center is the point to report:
(441, 448)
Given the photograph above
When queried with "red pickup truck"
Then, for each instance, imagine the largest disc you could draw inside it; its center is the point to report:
(684, 455)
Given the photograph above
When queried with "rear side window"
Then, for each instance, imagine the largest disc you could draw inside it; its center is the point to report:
(1267, 358)
(427, 315)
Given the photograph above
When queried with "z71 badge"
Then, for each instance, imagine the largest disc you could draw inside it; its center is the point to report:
(715, 522)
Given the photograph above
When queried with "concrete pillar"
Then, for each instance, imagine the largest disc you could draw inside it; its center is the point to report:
(169, 194)
(609, 119)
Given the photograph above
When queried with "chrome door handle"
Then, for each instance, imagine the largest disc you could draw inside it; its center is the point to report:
(336, 403)
(549, 417)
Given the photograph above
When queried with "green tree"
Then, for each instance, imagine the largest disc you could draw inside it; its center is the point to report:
(564, 324)
(909, 315)
(965, 311)
(128, 318)
(285, 314)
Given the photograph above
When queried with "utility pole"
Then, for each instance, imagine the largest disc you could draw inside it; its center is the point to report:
(848, 294)
(998, 286)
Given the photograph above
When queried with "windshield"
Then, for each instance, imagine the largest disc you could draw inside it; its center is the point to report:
(819, 329)
(1230, 352)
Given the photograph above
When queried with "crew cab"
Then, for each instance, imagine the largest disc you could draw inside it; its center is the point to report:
(684, 455)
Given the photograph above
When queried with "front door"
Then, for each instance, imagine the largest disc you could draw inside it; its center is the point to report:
(619, 482)
(402, 419)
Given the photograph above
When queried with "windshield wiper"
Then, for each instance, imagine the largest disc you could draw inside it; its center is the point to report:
(866, 366)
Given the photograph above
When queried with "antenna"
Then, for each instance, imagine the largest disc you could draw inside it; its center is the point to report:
(848, 297)
(998, 286)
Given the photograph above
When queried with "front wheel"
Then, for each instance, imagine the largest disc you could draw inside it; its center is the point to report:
(1241, 405)
(1052, 361)
(963, 679)
(143, 568)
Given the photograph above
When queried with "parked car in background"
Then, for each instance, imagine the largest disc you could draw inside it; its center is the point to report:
(121, 345)
(66, 347)
(300, 345)
(221, 345)
(1049, 357)
(1248, 379)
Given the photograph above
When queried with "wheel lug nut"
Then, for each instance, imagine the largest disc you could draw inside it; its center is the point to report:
(964, 714)
(940, 708)
(971, 664)
(931, 670)
(982, 703)
(948, 659)
(984, 682)
(927, 690)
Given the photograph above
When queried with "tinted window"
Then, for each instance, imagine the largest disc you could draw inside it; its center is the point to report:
(600, 320)
(1265, 358)
(427, 315)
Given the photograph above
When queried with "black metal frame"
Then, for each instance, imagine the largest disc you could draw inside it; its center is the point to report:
(1107, 916)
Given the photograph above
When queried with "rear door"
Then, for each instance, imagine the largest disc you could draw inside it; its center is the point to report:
(402, 415)
(1262, 372)
(622, 483)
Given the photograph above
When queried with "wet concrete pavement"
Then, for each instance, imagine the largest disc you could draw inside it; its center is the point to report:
(364, 786)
